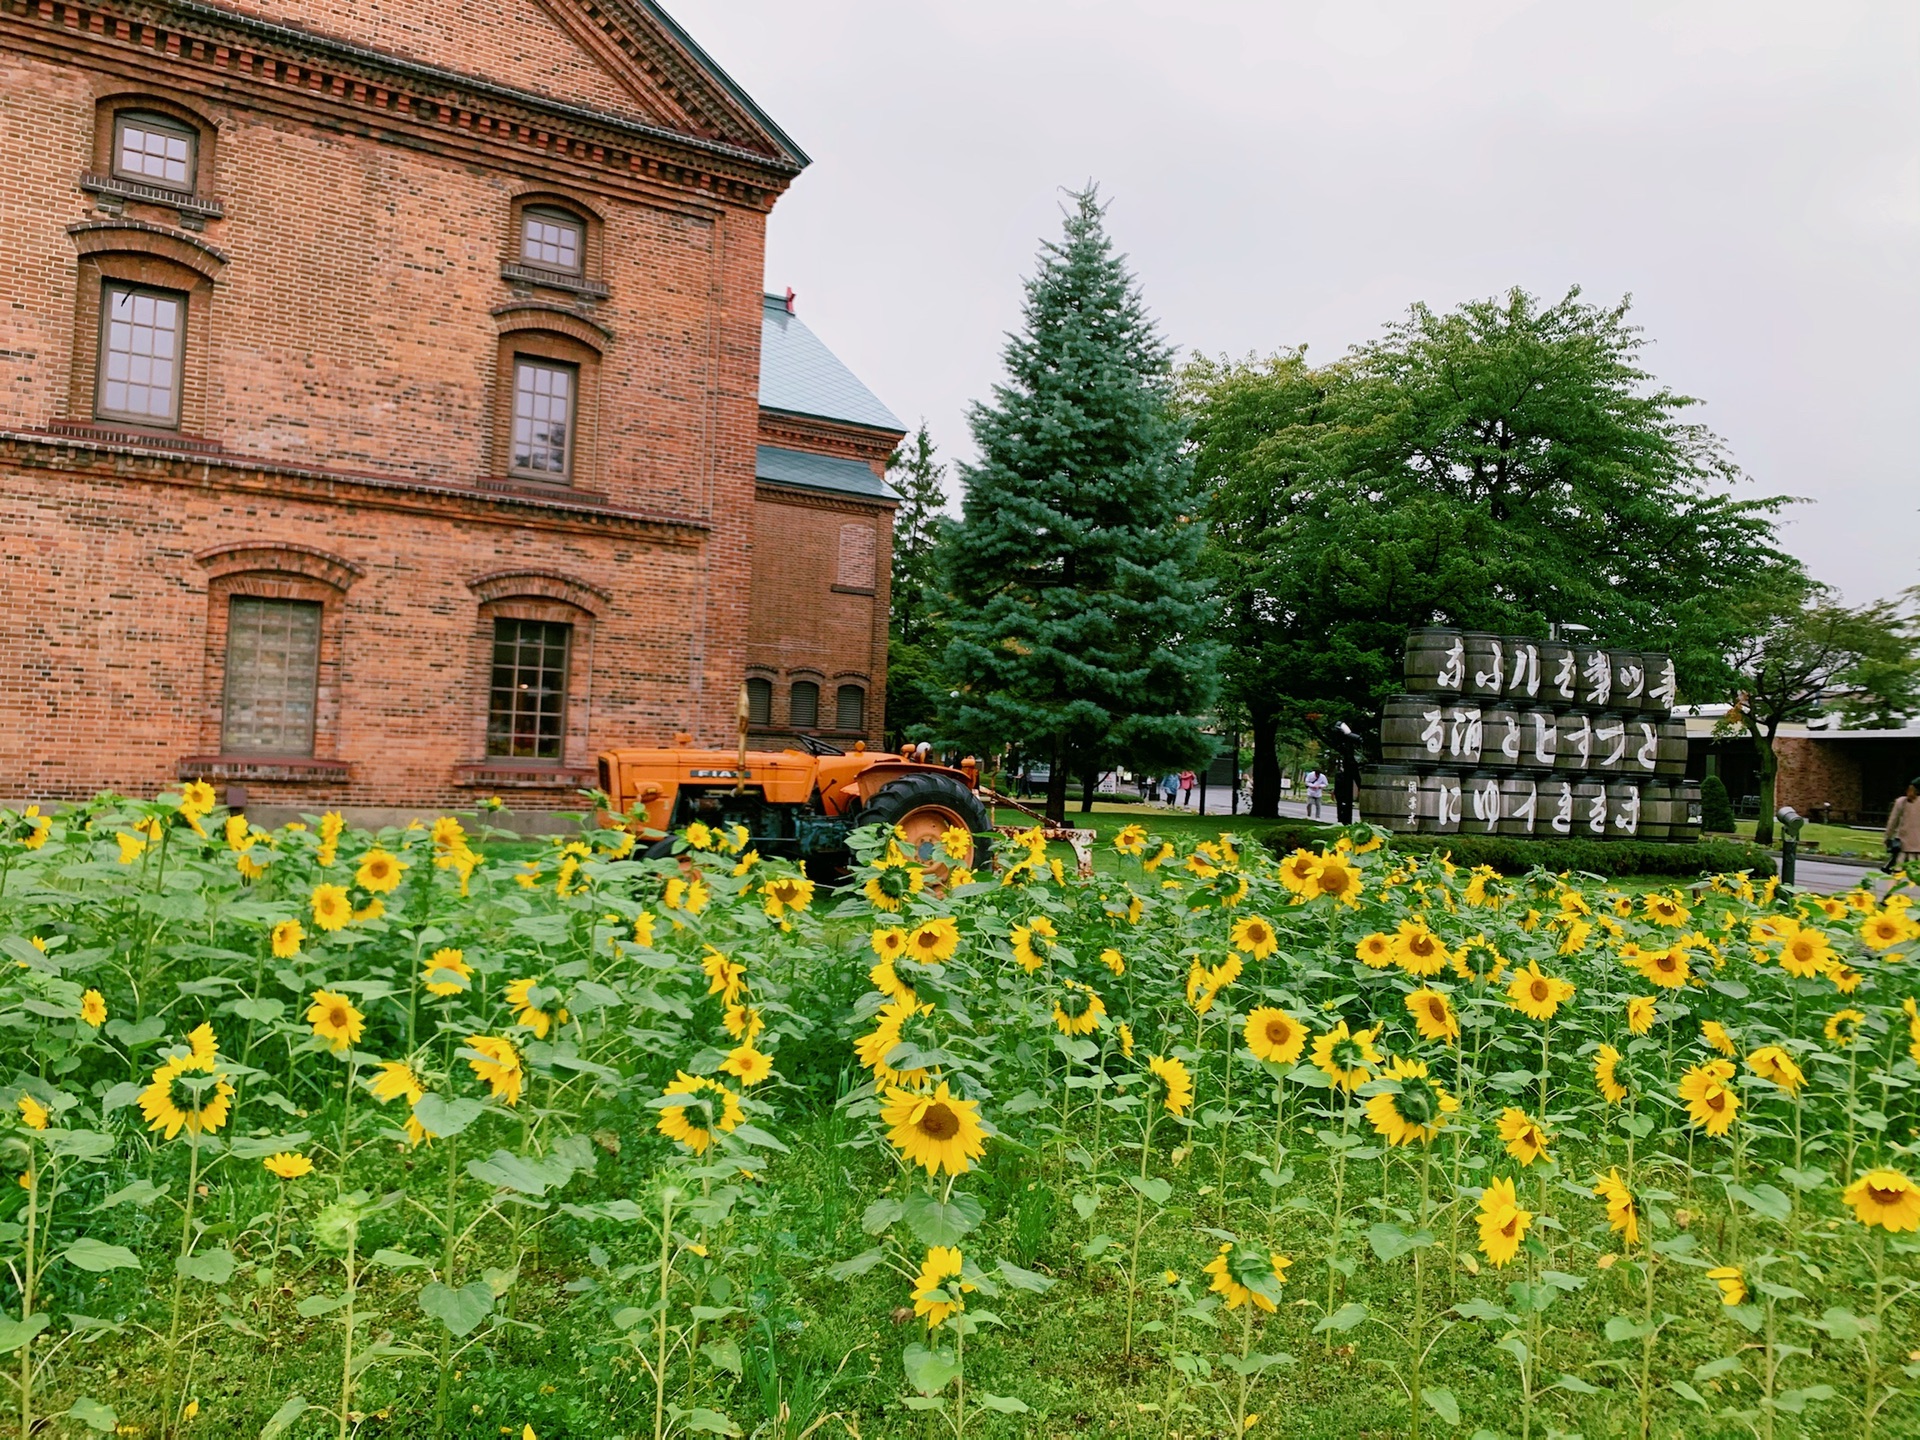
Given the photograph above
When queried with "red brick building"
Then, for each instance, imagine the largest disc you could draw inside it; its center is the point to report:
(381, 415)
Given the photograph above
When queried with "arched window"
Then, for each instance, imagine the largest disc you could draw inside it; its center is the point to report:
(803, 704)
(151, 149)
(553, 239)
(759, 701)
(850, 708)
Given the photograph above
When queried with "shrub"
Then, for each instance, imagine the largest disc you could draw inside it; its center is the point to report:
(1716, 806)
(1512, 856)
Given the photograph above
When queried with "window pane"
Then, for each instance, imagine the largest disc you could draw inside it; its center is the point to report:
(542, 414)
(803, 707)
(273, 668)
(140, 355)
(527, 702)
(759, 702)
(150, 151)
(550, 239)
(850, 708)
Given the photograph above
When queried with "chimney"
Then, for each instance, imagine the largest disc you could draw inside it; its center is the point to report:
(789, 300)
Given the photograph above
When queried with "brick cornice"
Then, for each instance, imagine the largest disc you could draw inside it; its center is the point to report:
(103, 460)
(821, 499)
(258, 64)
(828, 437)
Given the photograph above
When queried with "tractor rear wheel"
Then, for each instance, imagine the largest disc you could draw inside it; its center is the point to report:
(925, 807)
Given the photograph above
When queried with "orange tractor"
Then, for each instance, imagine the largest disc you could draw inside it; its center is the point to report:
(799, 803)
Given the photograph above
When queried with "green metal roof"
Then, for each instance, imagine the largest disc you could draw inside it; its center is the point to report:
(802, 377)
(820, 472)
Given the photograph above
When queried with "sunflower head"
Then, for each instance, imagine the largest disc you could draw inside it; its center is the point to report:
(1886, 1198)
(937, 1131)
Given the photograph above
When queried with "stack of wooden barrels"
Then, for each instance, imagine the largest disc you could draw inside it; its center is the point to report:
(1505, 735)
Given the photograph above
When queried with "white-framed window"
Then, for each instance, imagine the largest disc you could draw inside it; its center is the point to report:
(142, 335)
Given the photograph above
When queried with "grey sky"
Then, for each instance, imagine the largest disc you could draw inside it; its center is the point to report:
(1300, 172)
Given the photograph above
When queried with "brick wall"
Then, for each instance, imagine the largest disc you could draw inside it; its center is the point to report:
(349, 342)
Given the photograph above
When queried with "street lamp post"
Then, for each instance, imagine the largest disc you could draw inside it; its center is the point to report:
(1791, 822)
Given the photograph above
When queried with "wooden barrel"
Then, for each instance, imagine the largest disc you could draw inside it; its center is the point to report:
(1500, 736)
(1590, 808)
(1609, 743)
(1539, 739)
(1436, 661)
(1658, 801)
(1390, 797)
(1643, 746)
(1440, 803)
(1486, 666)
(1661, 685)
(1557, 806)
(1629, 681)
(1595, 668)
(1559, 678)
(1671, 759)
(1523, 668)
(1480, 804)
(1686, 819)
(1624, 809)
(1519, 804)
(1413, 730)
(1574, 746)
(1465, 734)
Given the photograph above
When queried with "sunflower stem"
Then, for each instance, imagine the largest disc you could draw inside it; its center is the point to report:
(666, 1275)
(186, 1245)
(1139, 1224)
(26, 1295)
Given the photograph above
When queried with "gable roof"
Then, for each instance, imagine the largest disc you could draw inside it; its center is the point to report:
(780, 466)
(801, 376)
(711, 68)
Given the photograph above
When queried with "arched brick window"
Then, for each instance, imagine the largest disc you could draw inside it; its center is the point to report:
(803, 705)
(533, 669)
(759, 700)
(850, 708)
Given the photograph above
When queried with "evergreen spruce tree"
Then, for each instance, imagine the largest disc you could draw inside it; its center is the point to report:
(1077, 622)
(916, 632)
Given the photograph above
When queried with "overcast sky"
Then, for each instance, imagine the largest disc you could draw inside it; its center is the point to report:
(1284, 172)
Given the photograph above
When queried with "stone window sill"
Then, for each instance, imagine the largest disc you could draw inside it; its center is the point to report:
(515, 273)
(512, 775)
(282, 769)
(852, 589)
(193, 210)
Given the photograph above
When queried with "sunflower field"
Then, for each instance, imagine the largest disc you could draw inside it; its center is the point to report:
(432, 1131)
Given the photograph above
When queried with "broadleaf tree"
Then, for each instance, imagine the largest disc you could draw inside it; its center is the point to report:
(1502, 466)
(1078, 620)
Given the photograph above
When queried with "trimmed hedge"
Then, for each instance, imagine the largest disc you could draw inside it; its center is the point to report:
(1512, 856)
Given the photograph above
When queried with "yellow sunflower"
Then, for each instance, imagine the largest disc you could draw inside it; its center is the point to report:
(379, 872)
(937, 1132)
(1711, 1099)
(872, 1050)
(1843, 1026)
(1296, 871)
(1433, 1015)
(934, 941)
(1176, 1083)
(725, 978)
(1770, 1062)
(1641, 1013)
(1886, 1198)
(743, 1022)
(1536, 995)
(1031, 942)
(1715, 1034)
(396, 1080)
(1418, 951)
(1336, 879)
(889, 943)
(1503, 1224)
(1805, 953)
(287, 1165)
(1079, 1010)
(1274, 1036)
(892, 883)
(748, 1065)
(447, 972)
(187, 1092)
(1621, 1212)
(1526, 1138)
(1879, 932)
(786, 893)
(1346, 1057)
(1665, 910)
(938, 1287)
(1730, 1282)
(1244, 1275)
(707, 1106)
(1606, 1064)
(1417, 1112)
(1114, 961)
(334, 1020)
(1254, 934)
(1375, 950)
(1667, 968)
(1131, 840)
(93, 1009)
(331, 907)
(497, 1063)
(530, 1016)
(33, 1114)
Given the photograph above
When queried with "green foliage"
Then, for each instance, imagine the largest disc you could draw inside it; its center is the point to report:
(916, 627)
(1716, 807)
(1511, 855)
(1077, 619)
(1502, 466)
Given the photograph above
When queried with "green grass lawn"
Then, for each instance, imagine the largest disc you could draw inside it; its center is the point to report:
(1833, 839)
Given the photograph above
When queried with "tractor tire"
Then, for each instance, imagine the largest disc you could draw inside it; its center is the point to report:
(926, 806)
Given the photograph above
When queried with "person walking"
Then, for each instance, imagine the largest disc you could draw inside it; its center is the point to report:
(1186, 787)
(1316, 784)
(1903, 827)
(1169, 787)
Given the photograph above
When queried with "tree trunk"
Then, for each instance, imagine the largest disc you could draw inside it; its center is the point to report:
(1089, 784)
(1769, 769)
(1265, 801)
(1056, 806)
